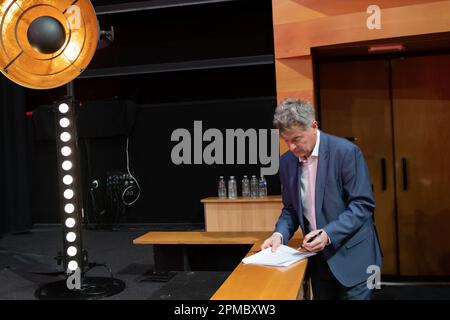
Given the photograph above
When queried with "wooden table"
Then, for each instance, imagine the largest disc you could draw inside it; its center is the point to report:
(246, 282)
(242, 214)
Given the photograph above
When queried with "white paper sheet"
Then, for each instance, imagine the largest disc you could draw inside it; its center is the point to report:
(284, 256)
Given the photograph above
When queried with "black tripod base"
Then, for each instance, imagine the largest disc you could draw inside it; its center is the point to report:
(91, 288)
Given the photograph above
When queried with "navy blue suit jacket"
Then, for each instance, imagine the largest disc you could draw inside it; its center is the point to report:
(344, 207)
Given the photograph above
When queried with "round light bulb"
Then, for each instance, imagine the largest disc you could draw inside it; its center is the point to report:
(69, 208)
(68, 194)
(66, 151)
(71, 251)
(72, 265)
(71, 237)
(63, 108)
(64, 122)
(67, 179)
(70, 222)
(67, 165)
(65, 137)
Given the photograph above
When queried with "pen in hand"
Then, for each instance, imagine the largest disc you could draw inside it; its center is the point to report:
(314, 236)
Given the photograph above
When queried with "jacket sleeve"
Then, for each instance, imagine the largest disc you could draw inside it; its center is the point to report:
(287, 222)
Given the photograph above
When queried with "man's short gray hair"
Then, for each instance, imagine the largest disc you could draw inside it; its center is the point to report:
(293, 112)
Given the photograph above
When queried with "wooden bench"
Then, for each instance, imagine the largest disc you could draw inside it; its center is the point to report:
(176, 251)
(200, 237)
(246, 282)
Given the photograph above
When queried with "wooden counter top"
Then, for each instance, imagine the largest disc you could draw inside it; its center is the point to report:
(251, 282)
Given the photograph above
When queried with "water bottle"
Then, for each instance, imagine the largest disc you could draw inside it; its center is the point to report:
(245, 187)
(262, 188)
(254, 187)
(232, 188)
(222, 188)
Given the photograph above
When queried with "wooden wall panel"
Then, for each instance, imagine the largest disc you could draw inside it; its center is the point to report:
(285, 11)
(296, 38)
(302, 24)
(295, 74)
(294, 80)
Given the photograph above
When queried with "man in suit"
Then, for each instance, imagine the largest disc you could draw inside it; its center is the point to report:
(326, 192)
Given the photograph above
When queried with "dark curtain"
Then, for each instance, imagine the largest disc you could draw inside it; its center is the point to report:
(15, 214)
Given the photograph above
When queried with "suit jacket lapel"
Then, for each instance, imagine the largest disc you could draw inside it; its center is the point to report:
(321, 177)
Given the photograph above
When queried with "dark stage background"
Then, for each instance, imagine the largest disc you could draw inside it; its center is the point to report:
(15, 212)
(169, 66)
(170, 193)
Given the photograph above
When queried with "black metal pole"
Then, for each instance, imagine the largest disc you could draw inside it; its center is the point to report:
(71, 89)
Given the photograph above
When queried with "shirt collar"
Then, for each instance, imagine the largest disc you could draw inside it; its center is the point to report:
(315, 152)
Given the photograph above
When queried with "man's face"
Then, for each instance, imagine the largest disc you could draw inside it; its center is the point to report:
(301, 141)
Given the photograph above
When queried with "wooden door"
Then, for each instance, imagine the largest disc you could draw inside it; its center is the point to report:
(355, 103)
(421, 104)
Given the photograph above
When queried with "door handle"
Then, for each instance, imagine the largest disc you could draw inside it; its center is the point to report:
(405, 174)
(383, 175)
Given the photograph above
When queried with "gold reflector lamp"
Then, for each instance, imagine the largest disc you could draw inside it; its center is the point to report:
(45, 44)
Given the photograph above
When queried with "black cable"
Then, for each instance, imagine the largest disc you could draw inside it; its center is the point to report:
(137, 186)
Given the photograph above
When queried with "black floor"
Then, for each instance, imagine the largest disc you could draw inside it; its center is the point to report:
(27, 262)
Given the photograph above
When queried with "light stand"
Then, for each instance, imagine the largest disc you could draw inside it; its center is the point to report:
(46, 44)
(76, 286)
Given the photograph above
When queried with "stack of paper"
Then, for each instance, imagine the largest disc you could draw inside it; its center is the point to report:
(282, 257)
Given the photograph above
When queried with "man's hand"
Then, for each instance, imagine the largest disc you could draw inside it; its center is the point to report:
(274, 242)
(317, 244)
